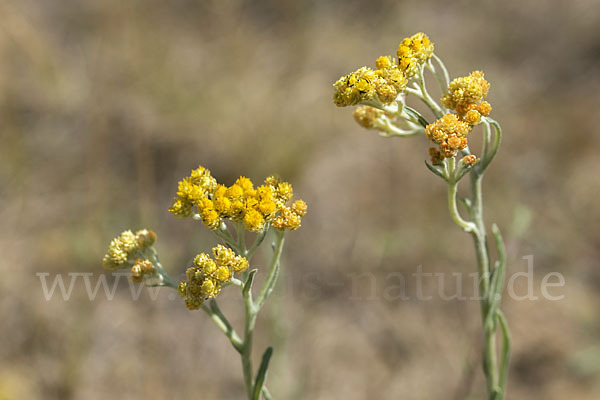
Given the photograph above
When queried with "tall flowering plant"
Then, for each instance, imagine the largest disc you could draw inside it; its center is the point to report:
(380, 95)
(230, 212)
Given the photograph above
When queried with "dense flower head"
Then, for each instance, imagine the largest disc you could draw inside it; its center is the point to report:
(469, 160)
(367, 86)
(450, 134)
(191, 190)
(123, 250)
(206, 278)
(466, 95)
(141, 270)
(413, 52)
(214, 203)
(367, 116)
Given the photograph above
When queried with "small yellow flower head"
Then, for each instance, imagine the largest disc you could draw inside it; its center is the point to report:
(141, 270)
(235, 191)
(222, 205)
(209, 288)
(237, 210)
(202, 178)
(137, 275)
(450, 133)
(145, 238)
(201, 260)
(285, 191)
(267, 207)
(469, 160)
(245, 183)
(239, 264)
(366, 86)
(210, 218)
(181, 208)
(466, 91)
(191, 190)
(484, 108)
(300, 208)
(254, 220)
(206, 277)
(367, 116)
(384, 62)
(223, 255)
(182, 288)
(413, 52)
(288, 219)
(120, 250)
(223, 274)
(272, 180)
(146, 266)
(472, 117)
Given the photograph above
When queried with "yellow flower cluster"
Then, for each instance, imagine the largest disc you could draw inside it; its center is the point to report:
(413, 52)
(469, 160)
(123, 249)
(141, 270)
(450, 134)
(206, 277)
(365, 85)
(466, 95)
(191, 190)
(241, 202)
(367, 116)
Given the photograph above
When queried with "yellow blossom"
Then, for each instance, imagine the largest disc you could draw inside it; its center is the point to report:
(253, 220)
(466, 91)
(206, 277)
(367, 116)
(469, 160)
(123, 248)
(288, 219)
(299, 208)
(367, 86)
(413, 52)
(449, 133)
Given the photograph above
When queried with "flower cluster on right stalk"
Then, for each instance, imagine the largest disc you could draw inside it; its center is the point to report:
(465, 96)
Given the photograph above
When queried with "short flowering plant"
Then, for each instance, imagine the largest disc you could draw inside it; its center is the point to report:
(229, 211)
(381, 96)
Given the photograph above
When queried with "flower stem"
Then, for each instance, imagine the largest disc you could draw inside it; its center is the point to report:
(251, 309)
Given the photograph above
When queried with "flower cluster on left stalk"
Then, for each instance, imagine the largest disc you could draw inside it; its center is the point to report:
(135, 251)
(200, 196)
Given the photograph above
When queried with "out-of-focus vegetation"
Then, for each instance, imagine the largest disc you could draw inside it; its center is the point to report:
(105, 104)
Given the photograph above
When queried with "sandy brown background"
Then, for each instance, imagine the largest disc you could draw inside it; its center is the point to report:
(104, 105)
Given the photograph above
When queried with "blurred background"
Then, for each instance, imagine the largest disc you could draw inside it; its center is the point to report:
(105, 105)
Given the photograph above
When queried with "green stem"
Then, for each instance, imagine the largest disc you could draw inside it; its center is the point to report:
(259, 239)
(483, 263)
(271, 278)
(506, 347)
(252, 308)
(426, 97)
(223, 324)
(489, 156)
(165, 278)
(443, 80)
(246, 353)
(467, 226)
